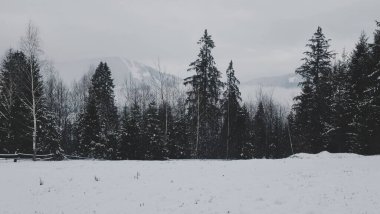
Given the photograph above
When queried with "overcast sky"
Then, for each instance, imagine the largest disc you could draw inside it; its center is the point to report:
(263, 38)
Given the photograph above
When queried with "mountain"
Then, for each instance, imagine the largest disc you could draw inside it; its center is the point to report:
(282, 88)
(123, 71)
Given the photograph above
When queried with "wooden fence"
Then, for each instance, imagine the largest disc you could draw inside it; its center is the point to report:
(19, 156)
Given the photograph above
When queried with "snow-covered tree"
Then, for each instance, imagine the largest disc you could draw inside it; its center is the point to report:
(231, 107)
(203, 100)
(32, 95)
(312, 106)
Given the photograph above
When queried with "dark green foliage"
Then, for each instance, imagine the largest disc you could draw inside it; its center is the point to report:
(313, 113)
(373, 95)
(15, 117)
(153, 141)
(230, 108)
(99, 122)
(203, 100)
(338, 110)
(259, 133)
(180, 145)
(131, 134)
(243, 147)
(90, 144)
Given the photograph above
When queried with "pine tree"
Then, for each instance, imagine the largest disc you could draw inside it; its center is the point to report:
(243, 146)
(102, 90)
(90, 144)
(15, 117)
(292, 133)
(203, 100)
(357, 109)
(259, 133)
(123, 137)
(312, 109)
(180, 147)
(57, 108)
(341, 108)
(50, 142)
(230, 107)
(101, 113)
(131, 134)
(153, 141)
(373, 94)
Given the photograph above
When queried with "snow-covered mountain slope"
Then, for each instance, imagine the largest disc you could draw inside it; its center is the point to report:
(123, 70)
(322, 183)
(283, 88)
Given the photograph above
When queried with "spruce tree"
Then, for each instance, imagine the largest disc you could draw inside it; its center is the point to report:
(152, 134)
(312, 109)
(15, 117)
(243, 147)
(50, 143)
(203, 100)
(101, 112)
(341, 108)
(102, 90)
(356, 101)
(131, 134)
(373, 94)
(90, 144)
(180, 147)
(259, 133)
(123, 145)
(230, 108)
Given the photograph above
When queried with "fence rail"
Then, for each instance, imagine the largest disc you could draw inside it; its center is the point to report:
(39, 157)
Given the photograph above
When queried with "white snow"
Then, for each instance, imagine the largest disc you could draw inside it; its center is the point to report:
(303, 183)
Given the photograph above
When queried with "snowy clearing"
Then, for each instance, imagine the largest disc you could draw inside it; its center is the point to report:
(323, 183)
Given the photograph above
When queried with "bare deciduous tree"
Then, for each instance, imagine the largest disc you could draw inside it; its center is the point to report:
(30, 45)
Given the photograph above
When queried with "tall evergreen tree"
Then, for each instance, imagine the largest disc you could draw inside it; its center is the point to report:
(102, 90)
(259, 133)
(231, 107)
(100, 109)
(90, 144)
(15, 117)
(341, 108)
(203, 100)
(373, 94)
(180, 146)
(152, 135)
(243, 147)
(313, 114)
(358, 71)
(131, 134)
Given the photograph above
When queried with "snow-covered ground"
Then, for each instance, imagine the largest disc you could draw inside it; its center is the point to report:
(323, 183)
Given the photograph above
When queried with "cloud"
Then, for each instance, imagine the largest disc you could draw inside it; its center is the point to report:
(262, 37)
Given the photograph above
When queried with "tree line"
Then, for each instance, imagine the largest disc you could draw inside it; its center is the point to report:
(338, 109)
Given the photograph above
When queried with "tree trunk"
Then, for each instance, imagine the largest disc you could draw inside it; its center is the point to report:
(34, 114)
(198, 123)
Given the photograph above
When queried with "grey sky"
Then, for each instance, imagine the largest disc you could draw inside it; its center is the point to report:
(262, 37)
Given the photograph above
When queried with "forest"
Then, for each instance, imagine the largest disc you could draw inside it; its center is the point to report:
(337, 110)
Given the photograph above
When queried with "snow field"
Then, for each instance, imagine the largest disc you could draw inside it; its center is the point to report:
(323, 183)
